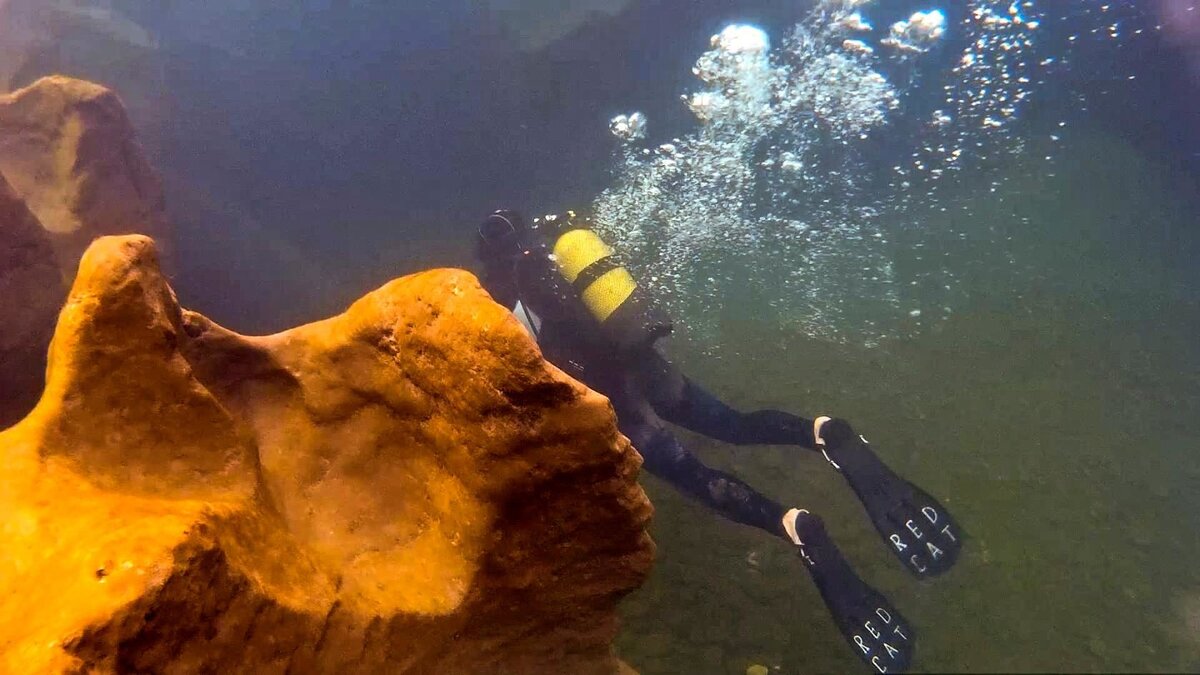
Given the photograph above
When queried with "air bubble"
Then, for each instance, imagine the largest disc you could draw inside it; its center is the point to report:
(774, 179)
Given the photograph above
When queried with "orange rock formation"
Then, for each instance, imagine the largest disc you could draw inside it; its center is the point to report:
(69, 151)
(405, 488)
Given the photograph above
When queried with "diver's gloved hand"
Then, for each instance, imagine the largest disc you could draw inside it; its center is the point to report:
(918, 529)
(872, 627)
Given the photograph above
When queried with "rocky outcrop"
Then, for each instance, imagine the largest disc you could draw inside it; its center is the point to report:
(31, 291)
(68, 149)
(405, 488)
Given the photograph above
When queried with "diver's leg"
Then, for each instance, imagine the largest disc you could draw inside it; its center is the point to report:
(681, 401)
(704, 413)
(914, 525)
(870, 624)
(666, 458)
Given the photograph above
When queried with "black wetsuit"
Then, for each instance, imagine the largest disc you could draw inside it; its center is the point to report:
(647, 391)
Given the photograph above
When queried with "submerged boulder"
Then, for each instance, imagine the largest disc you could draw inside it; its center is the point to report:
(31, 291)
(68, 149)
(405, 488)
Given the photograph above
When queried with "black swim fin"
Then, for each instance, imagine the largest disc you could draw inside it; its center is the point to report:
(916, 527)
(871, 626)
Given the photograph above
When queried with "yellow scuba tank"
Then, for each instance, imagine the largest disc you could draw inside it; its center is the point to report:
(605, 287)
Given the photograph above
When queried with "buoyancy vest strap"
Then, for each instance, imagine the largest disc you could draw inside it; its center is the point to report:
(593, 272)
(608, 292)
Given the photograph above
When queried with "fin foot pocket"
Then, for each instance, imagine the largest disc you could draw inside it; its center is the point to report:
(873, 629)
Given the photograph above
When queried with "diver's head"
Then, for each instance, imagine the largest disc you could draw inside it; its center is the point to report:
(501, 238)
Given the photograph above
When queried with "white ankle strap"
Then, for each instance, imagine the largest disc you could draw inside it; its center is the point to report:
(817, 424)
(820, 442)
(789, 525)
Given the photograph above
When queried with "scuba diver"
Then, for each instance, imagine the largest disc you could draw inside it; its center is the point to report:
(591, 320)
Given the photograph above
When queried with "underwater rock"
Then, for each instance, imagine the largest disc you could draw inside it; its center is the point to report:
(406, 487)
(90, 40)
(31, 30)
(69, 150)
(31, 291)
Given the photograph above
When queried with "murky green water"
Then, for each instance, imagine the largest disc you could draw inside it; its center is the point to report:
(1056, 412)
